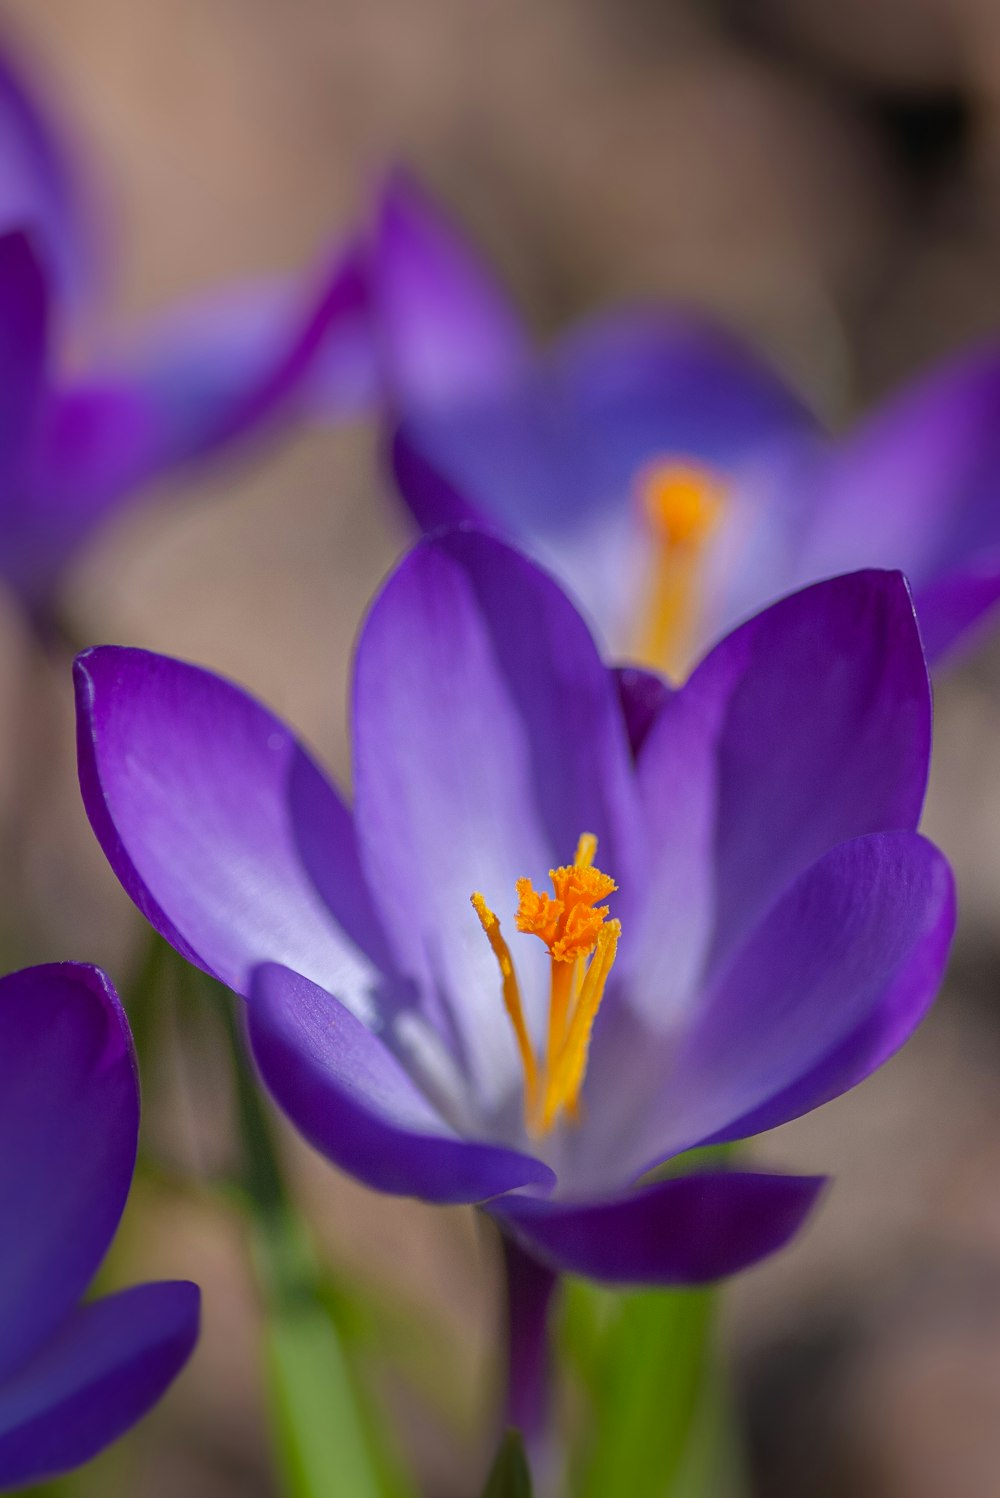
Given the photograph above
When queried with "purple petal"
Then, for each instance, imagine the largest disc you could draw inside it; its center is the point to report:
(488, 737)
(916, 485)
(831, 983)
(820, 713)
(685, 1231)
(69, 1122)
(101, 1372)
(213, 371)
(642, 694)
(24, 316)
(39, 183)
(658, 385)
(553, 459)
(220, 826)
(353, 1101)
(953, 610)
(446, 330)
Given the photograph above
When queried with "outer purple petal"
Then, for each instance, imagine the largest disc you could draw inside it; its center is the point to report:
(100, 1373)
(24, 316)
(917, 485)
(953, 609)
(219, 825)
(446, 331)
(213, 372)
(685, 1231)
(69, 1122)
(831, 983)
(39, 186)
(820, 713)
(488, 737)
(349, 1096)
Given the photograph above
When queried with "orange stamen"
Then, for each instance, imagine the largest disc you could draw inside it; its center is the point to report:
(571, 923)
(683, 504)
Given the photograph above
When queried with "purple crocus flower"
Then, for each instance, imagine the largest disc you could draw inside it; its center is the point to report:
(742, 921)
(76, 446)
(73, 1376)
(663, 472)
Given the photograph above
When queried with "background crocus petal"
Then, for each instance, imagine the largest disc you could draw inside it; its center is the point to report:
(353, 1101)
(685, 1231)
(488, 736)
(953, 609)
(69, 1122)
(40, 182)
(655, 385)
(431, 498)
(820, 711)
(642, 694)
(831, 983)
(445, 329)
(24, 316)
(916, 485)
(102, 1371)
(220, 826)
(214, 370)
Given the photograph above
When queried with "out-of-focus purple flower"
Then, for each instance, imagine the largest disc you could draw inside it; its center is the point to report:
(75, 446)
(743, 921)
(73, 1376)
(663, 471)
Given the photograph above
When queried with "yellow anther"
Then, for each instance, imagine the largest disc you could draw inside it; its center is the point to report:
(572, 926)
(683, 503)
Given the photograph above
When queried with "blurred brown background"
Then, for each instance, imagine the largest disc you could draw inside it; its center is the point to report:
(827, 178)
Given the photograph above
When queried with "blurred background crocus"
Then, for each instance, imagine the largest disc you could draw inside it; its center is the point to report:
(86, 423)
(73, 1377)
(660, 467)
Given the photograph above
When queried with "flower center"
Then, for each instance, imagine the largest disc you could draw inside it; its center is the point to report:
(582, 945)
(683, 503)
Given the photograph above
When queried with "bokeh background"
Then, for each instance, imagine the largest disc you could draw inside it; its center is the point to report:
(827, 179)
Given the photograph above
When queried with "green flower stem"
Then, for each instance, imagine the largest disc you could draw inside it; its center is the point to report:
(323, 1440)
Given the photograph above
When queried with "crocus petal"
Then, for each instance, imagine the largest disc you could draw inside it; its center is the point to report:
(830, 984)
(488, 737)
(953, 609)
(915, 486)
(642, 694)
(685, 1231)
(212, 372)
(23, 349)
(40, 183)
(101, 1372)
(69, 1122)
(817, 715)
(445, 329)
(219, 824)
(352, 1100)
(657, 385)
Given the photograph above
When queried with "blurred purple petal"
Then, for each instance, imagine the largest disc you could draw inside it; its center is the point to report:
(445, 329)
(219, 824)
(69, 1119)
(685, 1231)
(40, 188)
(488, 736)
(24, 333)
(105, 1367)
(354, 1102)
